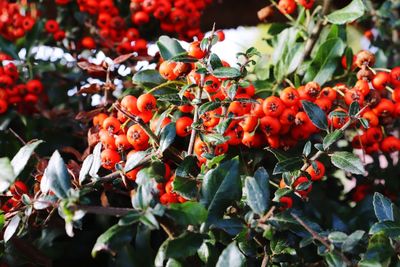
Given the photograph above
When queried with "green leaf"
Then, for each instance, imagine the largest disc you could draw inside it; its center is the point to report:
(130, 218)
(383, 208)
(226, 72)
(11, 227)
(21, 158)
(149, 220)
(169, 47)
(209, 106)
(215, 62)
(184, 246)
(333, 259)
(113, 239)
(96, 164)
(221, 186)
(148, 78)
(168, 135)
(58, 176)
(215, 139)
(173, 263)
(307, 149)
(288, 165)
(364, 122)
(347, 14)
(348, 162)
(257, 191)
(316, 114)
(188, 213)
(184, 58)
(331, 138)
(134, 160)
(379, 248)
(9, 48)
(185, 186)
(86, 165)
(389, 228)
(337, 237)
(231, 256)
(279, 155)
(352, 241)
(325, 62)
(354, 108)
(143, 197)
(280, 193)
(7, 176)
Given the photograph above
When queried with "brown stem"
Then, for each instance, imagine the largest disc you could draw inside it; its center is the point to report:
(323, 241)
(196, 116)
(312, 40)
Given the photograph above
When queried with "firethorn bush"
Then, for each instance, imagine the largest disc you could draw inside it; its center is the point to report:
(282, 158)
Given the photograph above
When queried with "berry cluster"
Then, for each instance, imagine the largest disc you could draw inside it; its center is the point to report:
(52, 27)
(175, 16)
(121, 138)
(16, 191)
(12, 92)
(289, 6)
(13, 24)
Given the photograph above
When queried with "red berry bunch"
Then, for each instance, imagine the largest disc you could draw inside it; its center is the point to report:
(16, 191)
(52, 27)
(289, 6)
(14, 93)
(13, 24)
(175, 16)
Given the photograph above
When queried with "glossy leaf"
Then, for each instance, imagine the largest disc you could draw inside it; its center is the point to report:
(347, 14)
(21, 158)
(348, 162)
(113, 239)
(257, 191)
(231, 256)
(168, 135)
(316, 114)
(58, 176)
(383, 208)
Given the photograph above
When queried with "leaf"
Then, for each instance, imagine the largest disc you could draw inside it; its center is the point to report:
(21, 158)
(347, 14)
(90, 67)
(188, 213)
(221, 186)
(86, 165)
(134, 160)
(184, 245)
(333, 259)
(122, 58)
(352, 240)
(184, 58)
(7, 176)
(185, 186)
(209, 106)
(389, 228)
(96, 164)
(231, 256)
(280, 193)
(379, 248)
(257, 191)
(11, 228)
(215, 62)
(130, 218)
(316, 114)
(173, 263)
(337, 237)
(169, 47)
(348, 162)
(354, 108)
(9, 48)
(325, 62)
(113, 239)
(331, 138)
(226, 72)
(231, 226)
(279, 155)
(168, 135)
(288, 165)
(58, 176)
(307, 149)
(149, 220)
(188, 167)
(148, 78)
(383, 208)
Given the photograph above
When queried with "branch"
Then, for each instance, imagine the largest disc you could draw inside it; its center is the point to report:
(312, 40)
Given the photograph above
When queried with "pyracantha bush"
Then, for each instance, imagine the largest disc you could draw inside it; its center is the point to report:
(283, 158)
